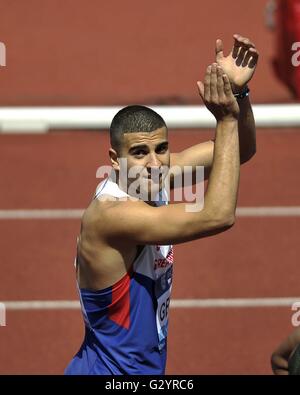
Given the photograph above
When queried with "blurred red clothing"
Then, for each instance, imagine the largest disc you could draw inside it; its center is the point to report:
(287, 22)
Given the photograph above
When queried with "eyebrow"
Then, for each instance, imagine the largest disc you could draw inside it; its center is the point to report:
(145, 146)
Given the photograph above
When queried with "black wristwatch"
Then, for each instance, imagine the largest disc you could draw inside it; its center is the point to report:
(244, 93)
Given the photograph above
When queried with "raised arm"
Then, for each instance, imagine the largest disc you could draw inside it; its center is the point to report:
(240, 67)
(139, 223)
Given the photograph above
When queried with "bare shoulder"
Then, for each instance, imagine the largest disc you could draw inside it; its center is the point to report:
(105, 210)
(104, 258)
(97, 209)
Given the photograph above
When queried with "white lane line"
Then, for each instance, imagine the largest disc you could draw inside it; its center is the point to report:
(280, 211)
(237, 302)
(275, 211)
(175, 303)
(42, 305)
(41, 214)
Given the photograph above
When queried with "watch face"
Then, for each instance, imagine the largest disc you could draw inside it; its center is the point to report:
(242, 94)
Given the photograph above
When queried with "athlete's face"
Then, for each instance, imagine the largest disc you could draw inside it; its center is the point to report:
(147, 158)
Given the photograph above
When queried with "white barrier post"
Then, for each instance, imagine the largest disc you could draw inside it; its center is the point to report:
(2, 55)
(2, 314)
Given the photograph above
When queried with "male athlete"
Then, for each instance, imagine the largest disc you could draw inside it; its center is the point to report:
(124, 254)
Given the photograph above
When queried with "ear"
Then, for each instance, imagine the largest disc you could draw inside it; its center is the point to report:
(114, 160)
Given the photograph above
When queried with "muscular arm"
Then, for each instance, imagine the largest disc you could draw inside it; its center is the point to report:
(247, 130)
(240, 66)
(139, 223)
(202, 154)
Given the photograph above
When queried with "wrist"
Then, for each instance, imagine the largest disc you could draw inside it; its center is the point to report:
(237, 88)
(241, 92)
(228, 119)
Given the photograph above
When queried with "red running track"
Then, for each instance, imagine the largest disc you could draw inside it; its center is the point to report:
(69, 58)
(258, 258)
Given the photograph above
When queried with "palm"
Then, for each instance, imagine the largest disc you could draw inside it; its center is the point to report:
(238, 75)
(241, 63)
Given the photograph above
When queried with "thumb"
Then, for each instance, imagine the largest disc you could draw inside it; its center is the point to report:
(219, 49)
(201, 89)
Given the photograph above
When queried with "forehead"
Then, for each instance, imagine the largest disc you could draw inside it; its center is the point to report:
(149, 138)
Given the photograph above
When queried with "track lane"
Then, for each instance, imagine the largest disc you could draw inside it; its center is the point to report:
(225, 341)
(210, 341)
(58, 170)
(250, 260)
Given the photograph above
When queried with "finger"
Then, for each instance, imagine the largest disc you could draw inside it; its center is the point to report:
(239, 43)
(245, 41)
(236, 46)
(220, 82)
(252, 52)
(247, 58)
(219, 50)
(227, 86)
(254, 59)
(213, 82)
(240, 58)
(201, 89)
(250, 44)
(207, 84)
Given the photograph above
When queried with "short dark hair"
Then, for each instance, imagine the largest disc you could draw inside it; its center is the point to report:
(133, 119)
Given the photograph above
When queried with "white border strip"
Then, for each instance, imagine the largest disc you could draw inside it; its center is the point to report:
(280, 211)
(175, 303)
(42, 119)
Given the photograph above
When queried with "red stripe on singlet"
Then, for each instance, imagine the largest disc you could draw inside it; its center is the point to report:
(119, 309)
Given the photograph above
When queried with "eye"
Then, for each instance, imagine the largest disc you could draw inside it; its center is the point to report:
(139, 153)
(162, 149)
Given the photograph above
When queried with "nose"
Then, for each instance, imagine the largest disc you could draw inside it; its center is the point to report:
(153, 161)
(153, 165)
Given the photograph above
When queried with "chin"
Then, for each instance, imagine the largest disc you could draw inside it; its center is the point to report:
(150, 192)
